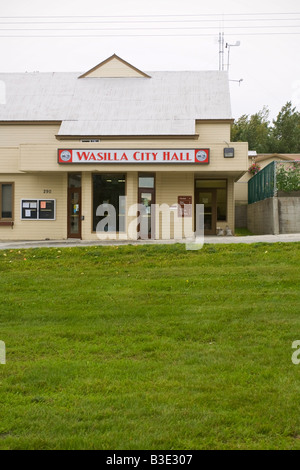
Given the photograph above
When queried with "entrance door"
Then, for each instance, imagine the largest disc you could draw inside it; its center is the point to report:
(74, 213)
(147, 198)
(208, 198)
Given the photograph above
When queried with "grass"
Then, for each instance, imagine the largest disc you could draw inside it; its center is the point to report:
(150, 347)
(242, 232)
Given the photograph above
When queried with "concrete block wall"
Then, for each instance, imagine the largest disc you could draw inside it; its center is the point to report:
(289, 214)
(274, 215)
(241, 215)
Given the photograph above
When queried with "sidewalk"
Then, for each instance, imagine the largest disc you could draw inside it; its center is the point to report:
(10, 245)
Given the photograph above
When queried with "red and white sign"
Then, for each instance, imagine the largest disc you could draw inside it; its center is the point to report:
(71, 156)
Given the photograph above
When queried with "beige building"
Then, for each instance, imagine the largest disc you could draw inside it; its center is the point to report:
(75, 146)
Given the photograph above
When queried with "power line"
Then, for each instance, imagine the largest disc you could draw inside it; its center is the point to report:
(149, 29)
(145, 35)
(147, 21)
(220, 15)
(247, 17)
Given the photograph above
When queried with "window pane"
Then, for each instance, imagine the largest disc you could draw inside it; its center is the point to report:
(210, 183)
(221, 204)
(146, 182)
(7, 199)
(74, 180)
(107, 188)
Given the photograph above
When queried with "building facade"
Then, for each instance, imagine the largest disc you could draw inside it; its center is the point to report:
(73, 147)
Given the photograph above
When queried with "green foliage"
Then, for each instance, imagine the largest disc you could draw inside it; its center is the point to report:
(283, 136)
(253, 129)
(288, 176)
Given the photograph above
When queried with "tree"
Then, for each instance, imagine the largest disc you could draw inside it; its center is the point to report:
(285, 134)
(253, 129)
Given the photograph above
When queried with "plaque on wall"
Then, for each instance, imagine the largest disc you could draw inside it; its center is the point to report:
(185, 206)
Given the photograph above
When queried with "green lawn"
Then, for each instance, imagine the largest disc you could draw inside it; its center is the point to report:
(150, 347)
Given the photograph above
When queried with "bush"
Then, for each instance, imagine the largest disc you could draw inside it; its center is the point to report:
(288, 176)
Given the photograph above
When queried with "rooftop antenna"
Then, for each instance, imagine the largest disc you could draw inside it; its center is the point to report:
(221, 50)
(221, 44)
(228, 46)
(239, 81)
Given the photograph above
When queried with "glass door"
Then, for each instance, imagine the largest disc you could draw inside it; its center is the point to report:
(208, 198)
(74, 213)
(146, 197)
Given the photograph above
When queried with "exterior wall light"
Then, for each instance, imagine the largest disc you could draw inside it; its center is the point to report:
(228, 152)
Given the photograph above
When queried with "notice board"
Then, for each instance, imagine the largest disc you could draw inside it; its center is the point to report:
(47, 209)
(29, 209)
(38, 209)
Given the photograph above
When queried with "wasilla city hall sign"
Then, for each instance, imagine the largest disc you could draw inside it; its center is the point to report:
(67, 156)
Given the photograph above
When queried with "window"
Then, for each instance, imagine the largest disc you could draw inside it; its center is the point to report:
(211, 184)
(74, 180)
(221, 204)
(107, 189)
(6, 201)
(146, 181)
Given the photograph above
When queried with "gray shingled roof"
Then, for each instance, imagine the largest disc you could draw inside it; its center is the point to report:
(168, 103)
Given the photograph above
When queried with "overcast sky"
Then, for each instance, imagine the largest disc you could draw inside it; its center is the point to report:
(162, 35)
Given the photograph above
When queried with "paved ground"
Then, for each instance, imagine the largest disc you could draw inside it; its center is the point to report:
(7, 245)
